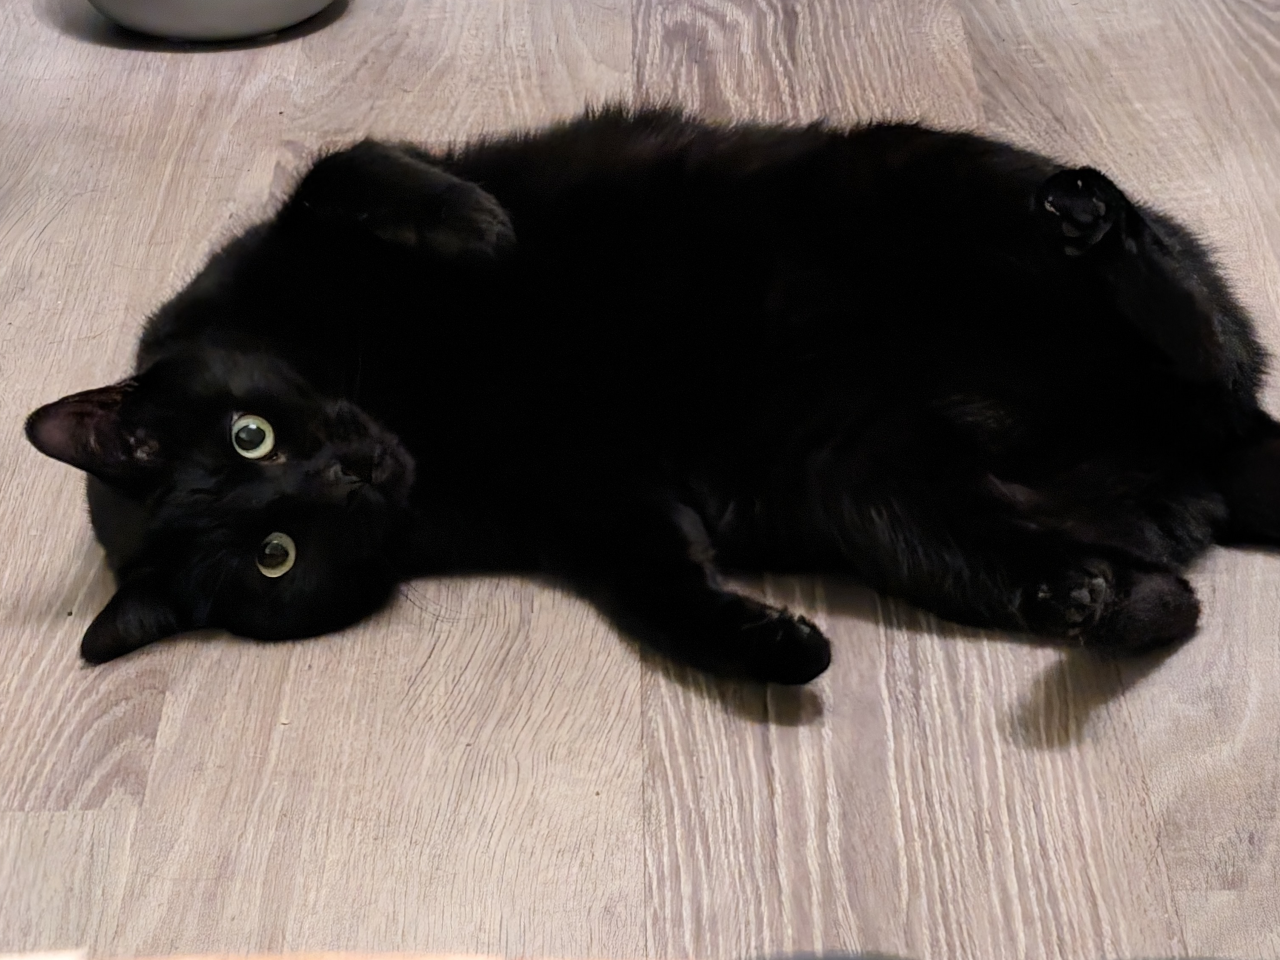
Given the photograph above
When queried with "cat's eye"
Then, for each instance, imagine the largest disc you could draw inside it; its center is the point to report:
(276, 555)
(252, 436)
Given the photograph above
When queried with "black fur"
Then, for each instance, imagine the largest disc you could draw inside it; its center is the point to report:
(633, 350)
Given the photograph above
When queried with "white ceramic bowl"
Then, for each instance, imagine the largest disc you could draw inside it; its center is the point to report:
(208, 19)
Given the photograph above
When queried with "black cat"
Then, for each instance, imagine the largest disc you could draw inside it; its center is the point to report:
(635, 349)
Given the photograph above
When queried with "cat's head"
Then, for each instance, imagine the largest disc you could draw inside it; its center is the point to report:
(229, 495)
(226, 490)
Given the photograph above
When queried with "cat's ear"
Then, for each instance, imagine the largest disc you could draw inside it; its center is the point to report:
(398, 196)
(137, 615)
(86, 431)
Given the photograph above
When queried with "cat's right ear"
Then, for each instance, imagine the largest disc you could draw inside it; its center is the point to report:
(86, 431)
(139, 614)
(398, 196)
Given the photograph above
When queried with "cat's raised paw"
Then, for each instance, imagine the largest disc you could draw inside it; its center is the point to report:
(1077, 208)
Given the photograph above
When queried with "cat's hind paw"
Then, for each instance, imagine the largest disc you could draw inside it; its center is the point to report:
(1151, 609)
(1073, 603)
(1113, 607)
(1077, 208)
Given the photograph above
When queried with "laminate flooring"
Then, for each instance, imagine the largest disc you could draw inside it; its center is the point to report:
(485, 767)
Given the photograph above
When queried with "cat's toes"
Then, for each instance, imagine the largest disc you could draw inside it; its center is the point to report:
(777, 647)
(1072, 604)
(1078, 207)
(1123, 610)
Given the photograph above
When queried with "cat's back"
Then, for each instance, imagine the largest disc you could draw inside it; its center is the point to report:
(655, 159)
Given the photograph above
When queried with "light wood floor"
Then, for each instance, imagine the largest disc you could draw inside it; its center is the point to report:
(485, 767)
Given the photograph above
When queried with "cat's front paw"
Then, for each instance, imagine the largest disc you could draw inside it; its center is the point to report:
(774, 646)
(404, 198)
(1077, 208)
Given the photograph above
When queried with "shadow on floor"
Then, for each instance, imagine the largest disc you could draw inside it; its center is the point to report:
(756, 702)
(1054, 712)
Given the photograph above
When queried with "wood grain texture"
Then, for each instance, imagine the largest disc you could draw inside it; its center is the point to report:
(484, 767)
(801, 60)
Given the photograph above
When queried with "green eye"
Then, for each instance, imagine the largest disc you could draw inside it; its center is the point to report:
(276, 555)
(252, 437)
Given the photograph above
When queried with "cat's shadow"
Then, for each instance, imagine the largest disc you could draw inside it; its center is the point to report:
(1055, 711)
(1052, 714)
(78, 20)
(757, 702)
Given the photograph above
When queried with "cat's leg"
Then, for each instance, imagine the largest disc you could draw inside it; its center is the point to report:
(977, 561)
(1110, 604)
(1069, 594)
(397, 194)
(649, 568)
(1155, 273)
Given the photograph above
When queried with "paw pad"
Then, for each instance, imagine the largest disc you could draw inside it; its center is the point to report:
(1078, 208)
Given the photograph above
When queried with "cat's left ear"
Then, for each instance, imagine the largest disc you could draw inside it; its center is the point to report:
(398, 195)
(86, 431)
(139, 614)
